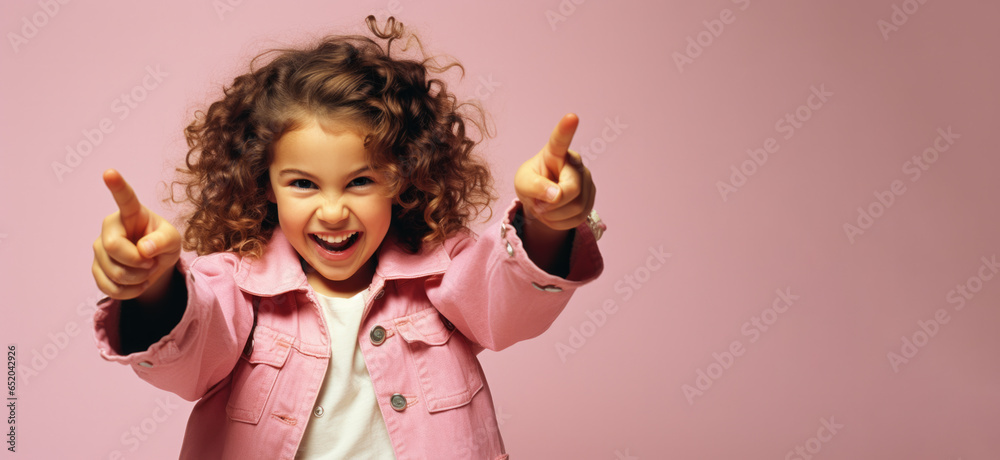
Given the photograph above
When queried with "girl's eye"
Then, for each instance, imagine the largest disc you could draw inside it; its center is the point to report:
(301, 183)
(361, 181)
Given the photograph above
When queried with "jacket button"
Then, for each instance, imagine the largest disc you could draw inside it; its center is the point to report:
(596, 225)
(546, 288)
(377, 335)
(510, 250)
(447, 324)
(146, 364)
(398, 402)
(503, 230)
(318, 411)
(380, 293)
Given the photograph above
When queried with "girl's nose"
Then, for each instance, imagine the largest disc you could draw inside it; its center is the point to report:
(332, 211)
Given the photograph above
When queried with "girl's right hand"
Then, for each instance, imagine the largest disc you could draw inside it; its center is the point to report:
(137, 248)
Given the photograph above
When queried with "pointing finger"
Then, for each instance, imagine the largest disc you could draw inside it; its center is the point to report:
(128, 203)
(554, 153)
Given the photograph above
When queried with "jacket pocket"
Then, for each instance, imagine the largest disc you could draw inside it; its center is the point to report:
(255, 374)
(445, 366)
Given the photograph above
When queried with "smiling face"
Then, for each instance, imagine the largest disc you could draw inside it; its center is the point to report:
(333, 208)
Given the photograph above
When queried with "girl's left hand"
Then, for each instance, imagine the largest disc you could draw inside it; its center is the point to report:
(554, 186)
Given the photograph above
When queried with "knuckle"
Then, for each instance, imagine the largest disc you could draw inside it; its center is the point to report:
(110, 243)
(114, 275)
(122, 276)
(113, 290)
(571, 190)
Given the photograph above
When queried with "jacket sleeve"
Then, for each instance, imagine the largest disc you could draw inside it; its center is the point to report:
(204, 346)
(496, 296)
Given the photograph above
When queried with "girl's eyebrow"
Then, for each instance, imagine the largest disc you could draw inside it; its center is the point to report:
(360, 170)
(295, 172)
(299, 172)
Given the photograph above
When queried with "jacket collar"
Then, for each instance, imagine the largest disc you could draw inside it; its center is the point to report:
(279, 269)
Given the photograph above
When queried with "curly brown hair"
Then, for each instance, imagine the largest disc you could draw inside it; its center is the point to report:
(414, 132)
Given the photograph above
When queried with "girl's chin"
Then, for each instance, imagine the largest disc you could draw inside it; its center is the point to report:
(340, 272)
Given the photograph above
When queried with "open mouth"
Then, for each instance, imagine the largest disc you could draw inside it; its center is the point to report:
(336, 244)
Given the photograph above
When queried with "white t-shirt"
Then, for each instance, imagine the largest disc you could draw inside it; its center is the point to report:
(346, 422)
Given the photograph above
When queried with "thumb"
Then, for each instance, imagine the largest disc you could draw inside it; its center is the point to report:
(542, 189)
(554, 153)
(163, 240)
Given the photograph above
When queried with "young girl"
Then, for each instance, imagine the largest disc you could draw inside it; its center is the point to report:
(337, 300)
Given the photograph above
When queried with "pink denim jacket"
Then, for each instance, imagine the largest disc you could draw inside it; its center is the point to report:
(427, 317)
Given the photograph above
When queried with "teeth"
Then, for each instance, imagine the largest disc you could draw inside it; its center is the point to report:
(335, 240)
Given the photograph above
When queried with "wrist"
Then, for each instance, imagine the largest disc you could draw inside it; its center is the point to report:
(548, 248)
(158, 288)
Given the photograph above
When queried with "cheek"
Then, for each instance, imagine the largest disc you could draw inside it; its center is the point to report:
(378, 216)
(385, 214)
(289, 215)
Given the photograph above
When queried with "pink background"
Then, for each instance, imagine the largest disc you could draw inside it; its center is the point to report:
(621, 393)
